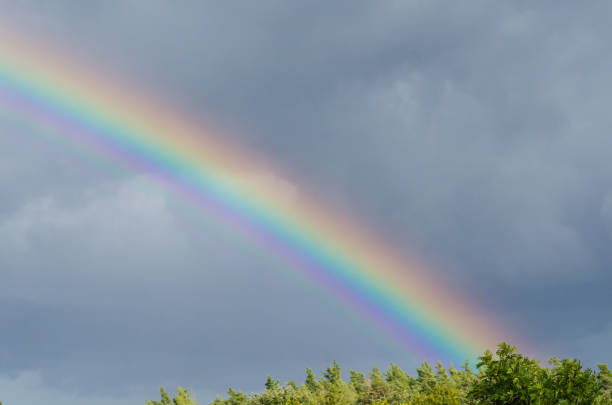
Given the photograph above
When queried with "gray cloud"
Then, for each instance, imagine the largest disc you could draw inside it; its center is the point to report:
(474, 135)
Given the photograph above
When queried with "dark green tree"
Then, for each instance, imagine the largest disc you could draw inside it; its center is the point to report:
(509, 378)
(272, 383)
(570, 384)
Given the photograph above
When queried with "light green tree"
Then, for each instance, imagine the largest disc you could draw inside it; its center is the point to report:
(503, 378)
(311, 381)
(401, 386)
(463, 379)
(426, 378)
(441, 374)
(439, 394)
(605, 381)
(336, 391)
(359, 385)
(182, 397)
(236, 397)
(378, 385)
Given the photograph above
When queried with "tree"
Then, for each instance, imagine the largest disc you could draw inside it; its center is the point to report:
(439, 394)
(508, 379)
(311, 381)
(463, 379)
(378, 386)
(359, 385)
(397, 376)
(165, 398)
(401, 386)
(441, 374)
(336, 391)
(333, 374)
(236, 397)
(605, 382)
(503, 378)
(604, 377)
(272, 383)
(426, 377)
(569, 384)
(182, 397)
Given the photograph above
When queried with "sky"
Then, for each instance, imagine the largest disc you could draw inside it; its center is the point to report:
(472, 135)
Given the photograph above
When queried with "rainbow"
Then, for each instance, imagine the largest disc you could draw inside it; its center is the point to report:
(428, 318)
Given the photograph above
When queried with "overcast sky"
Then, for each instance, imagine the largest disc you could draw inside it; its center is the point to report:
(474, 134)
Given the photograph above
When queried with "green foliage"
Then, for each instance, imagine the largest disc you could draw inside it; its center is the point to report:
(378, 386)
(360, 386)
(401, 386)
(463, 379)
(510, 378)
(311, 381)
(514, 379)
(605, 380)
(182, 397)
(426, 379)
(506, 378)
(439, 394)
(336, 391)
(333, 374)
(568, 383)
(605, 377)
(272, 383)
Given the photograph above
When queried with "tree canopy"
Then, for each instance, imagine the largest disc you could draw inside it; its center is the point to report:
(501, 378)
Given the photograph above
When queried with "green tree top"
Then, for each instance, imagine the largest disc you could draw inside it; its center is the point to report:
(333, 374)
(272, 383)
(503, 378)
(605, 377)
(311, 380)
(509, 378)
(569, 382)
(426, 377)
(182, 397)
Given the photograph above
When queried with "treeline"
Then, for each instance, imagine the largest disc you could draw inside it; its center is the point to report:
(504, 378)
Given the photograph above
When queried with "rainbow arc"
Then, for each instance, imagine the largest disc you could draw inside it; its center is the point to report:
(430, 318)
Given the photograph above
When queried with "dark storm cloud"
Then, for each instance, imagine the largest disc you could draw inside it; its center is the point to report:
(473, 134)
